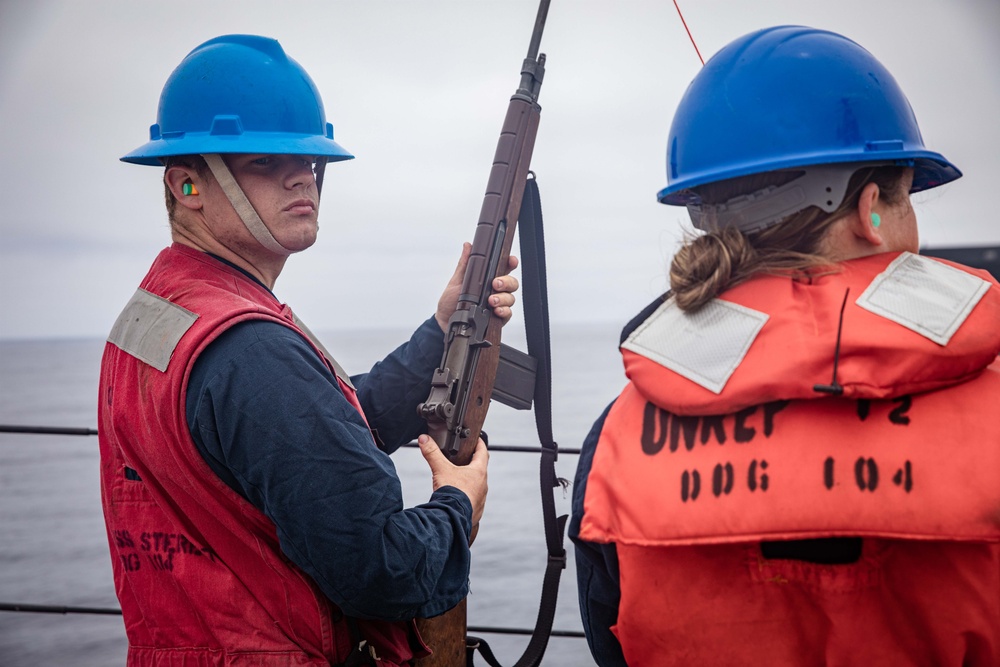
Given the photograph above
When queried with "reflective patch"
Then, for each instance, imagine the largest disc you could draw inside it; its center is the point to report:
(705, 346)
(925, 296)
(150, 327)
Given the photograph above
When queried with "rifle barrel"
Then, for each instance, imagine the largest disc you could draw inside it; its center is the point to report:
(536, 34)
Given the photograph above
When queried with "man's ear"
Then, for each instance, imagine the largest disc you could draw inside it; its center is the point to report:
(866, 226)
(185, 184)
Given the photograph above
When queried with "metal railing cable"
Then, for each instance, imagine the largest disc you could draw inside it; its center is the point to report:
(47, 430)
(59, 430)
(110, 611)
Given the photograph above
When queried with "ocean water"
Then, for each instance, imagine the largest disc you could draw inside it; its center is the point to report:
(53, 545)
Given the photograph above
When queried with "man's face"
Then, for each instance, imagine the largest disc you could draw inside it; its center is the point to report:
(282, 189)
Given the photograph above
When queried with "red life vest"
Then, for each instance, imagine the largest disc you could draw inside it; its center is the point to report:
(687, 482)
(198, 569)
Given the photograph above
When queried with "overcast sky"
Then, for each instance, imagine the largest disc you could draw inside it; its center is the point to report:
(417, 90)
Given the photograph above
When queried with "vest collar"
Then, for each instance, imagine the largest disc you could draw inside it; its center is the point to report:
(790, 334)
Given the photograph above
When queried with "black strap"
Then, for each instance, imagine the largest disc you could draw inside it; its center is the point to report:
(473, 644)
(536, 324)
(362, 653)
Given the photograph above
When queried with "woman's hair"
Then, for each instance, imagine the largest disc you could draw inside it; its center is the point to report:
(711, 263)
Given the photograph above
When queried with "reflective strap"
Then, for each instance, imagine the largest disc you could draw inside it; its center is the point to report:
(150, 327)
(337, 368)
(318, 171)
(242, 205)
(924, 295)
(705, 346)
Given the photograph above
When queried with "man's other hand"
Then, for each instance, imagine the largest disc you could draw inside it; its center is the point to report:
(469, 479)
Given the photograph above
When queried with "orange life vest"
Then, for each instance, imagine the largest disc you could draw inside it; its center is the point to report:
(687, 482)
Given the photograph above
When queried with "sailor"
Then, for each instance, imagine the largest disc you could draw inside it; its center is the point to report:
(252, 509)
(804, 467)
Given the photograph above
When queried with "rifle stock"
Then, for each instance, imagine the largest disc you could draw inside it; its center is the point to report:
(461, 388)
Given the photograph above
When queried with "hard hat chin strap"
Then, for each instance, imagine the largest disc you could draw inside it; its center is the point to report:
(242, 205)
(319, 170)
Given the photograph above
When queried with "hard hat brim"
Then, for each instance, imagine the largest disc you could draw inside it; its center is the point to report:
(264, 143)
(930, 170)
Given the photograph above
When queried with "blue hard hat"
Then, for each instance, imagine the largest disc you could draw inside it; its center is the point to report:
(239, 94)
(792, 96)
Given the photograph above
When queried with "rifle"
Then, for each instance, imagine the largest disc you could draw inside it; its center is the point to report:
(466, 380)
(462, 386)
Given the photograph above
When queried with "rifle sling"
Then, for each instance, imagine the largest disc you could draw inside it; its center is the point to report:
(536, 324)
